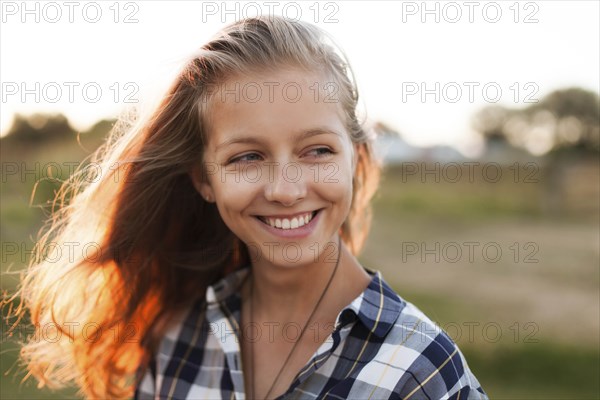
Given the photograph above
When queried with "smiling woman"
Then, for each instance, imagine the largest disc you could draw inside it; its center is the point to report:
(233, 231)
(289, 144)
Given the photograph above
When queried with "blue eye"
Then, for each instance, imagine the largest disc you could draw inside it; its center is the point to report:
(241, 159)
(319, 149)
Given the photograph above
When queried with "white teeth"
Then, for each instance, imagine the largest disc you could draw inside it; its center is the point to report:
(284, 223)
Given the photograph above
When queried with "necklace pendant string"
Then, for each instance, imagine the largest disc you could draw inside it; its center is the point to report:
(301, 332)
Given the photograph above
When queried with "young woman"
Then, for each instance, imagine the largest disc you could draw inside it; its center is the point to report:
(227, 227)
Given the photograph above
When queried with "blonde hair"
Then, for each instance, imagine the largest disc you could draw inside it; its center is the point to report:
(151, 259)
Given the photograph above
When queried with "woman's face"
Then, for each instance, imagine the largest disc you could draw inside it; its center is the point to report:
(278, 152)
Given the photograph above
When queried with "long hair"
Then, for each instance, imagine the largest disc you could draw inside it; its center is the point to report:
(153, 244)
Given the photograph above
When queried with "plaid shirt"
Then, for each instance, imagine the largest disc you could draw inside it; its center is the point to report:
(382, 347)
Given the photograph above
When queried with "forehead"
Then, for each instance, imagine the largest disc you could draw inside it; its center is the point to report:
(274, 103)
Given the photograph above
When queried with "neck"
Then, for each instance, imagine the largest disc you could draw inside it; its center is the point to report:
(290, 294)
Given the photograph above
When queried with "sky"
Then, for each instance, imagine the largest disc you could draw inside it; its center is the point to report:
(422, 68)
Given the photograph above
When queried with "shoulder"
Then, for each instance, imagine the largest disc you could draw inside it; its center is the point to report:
(184, 331)
(410, 355)
(432, 365)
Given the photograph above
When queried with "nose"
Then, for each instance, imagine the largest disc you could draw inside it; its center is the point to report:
(286, 185)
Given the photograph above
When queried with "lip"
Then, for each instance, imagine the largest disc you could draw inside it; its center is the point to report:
(300, 232)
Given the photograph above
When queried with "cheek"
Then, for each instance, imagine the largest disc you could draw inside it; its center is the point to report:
(336, 185)
(234, 194)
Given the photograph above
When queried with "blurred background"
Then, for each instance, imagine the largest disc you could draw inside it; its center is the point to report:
(488, 214)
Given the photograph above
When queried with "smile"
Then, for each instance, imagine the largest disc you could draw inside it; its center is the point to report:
(291, 222)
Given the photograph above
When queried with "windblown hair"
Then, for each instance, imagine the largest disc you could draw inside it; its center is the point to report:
(153, 244)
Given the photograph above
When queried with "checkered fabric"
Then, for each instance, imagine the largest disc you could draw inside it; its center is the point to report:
(383, 347)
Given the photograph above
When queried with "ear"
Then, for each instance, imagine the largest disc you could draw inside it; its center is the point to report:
(202, 186)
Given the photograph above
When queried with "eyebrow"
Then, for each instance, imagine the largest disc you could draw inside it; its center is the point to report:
(299, 136)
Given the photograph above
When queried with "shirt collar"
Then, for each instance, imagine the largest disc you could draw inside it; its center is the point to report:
(227, 286)
(377, 307)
